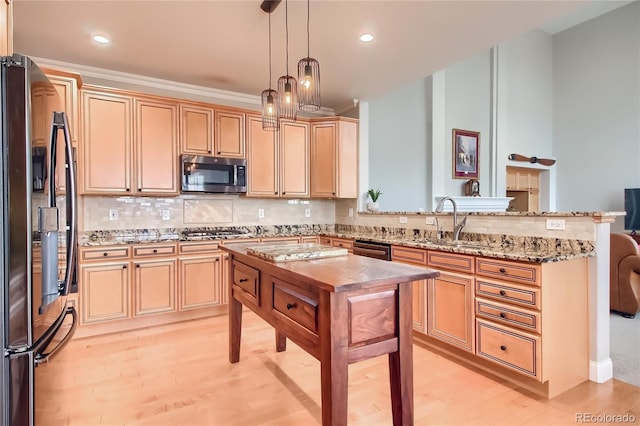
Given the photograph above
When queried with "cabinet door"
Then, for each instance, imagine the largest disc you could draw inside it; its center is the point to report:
(512, 179)
(294, 159)
(39, 136)
(323, 164)
(347, 160)
(226, 276)
(450, 313)
(229, 130)
(200, 279)
(154, 286)
(156, 145)
(6, 28)
(418, 299)
(104, 292)
(262, 160)
(196, 129)
(106, 143)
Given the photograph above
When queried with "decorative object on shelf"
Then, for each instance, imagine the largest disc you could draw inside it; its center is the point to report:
(466, 159)
(309, 78)
(270, 120)
(472, 188)
(543, 161)
(287, 85)
(374, 194)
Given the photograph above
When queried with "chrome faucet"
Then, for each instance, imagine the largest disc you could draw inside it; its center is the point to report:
(457, 227)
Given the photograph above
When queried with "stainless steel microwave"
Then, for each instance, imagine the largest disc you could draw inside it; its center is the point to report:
(213, 174)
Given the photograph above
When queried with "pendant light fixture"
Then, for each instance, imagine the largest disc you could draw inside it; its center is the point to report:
(270, 119)
(287, 85)
(309, 78)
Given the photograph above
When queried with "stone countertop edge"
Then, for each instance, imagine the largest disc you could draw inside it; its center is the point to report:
(524, 214)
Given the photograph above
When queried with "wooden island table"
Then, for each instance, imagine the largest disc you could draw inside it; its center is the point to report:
(340, 309)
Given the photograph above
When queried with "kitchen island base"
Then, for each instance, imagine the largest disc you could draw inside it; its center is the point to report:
(340, 310)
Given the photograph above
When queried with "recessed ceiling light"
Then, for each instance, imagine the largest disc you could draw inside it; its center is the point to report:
(102, 39)
(366, 37)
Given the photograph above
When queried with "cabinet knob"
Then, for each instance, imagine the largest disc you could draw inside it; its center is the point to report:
(137, 265)
(503, 293)
(128, 189)
(502, 270)
(503, 347)
(209, 151)
(219, 152)
(503, 315)
(155, 250)
(139, 189)
(283, 193)
(291, 305)
(244, 280)
(124, 266)
(105, 254)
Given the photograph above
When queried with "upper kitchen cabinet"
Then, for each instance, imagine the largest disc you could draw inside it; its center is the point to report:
(130, 144)
(262, 160)
(156, 146)
(196, 129)
(66, 85)
(334, 158)
(278, 162)
(6, 28)
(229, 133)
(106, 142)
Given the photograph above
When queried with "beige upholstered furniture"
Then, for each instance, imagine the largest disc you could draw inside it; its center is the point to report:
(624, 274)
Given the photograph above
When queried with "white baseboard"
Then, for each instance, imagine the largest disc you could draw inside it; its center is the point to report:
(600, 372)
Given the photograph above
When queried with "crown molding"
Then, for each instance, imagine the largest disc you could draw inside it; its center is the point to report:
(157, 83)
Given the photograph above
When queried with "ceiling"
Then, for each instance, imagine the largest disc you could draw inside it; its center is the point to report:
(224, 44)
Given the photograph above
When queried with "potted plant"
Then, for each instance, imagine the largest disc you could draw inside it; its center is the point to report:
(374, 194)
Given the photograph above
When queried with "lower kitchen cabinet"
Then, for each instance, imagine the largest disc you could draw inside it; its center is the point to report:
(154, 283)
(414, 256)
(201, 276)
(450, 311)
(105, 290)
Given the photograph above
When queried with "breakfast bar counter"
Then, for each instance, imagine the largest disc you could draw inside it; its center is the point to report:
(339, 309)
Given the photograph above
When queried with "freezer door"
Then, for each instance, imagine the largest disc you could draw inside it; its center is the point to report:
(19, 404)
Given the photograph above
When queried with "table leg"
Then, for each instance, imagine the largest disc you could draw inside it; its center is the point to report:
(401, 362)
(281, 342)
(235, 329)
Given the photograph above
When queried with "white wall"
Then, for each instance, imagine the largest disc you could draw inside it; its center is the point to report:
(597, 111)
(398, 148)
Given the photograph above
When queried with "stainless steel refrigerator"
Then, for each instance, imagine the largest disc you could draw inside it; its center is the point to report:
(38, 246)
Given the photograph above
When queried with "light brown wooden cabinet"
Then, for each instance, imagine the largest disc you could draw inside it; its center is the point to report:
(338, 242)
(196, 129)
(104, 291)
(130, 145)
(334, 158)
(229, 133)
(450, 313)
(523, 185)
(201, 275)
(154, 286)
(6, 27)
(278, 162)
(415, 256)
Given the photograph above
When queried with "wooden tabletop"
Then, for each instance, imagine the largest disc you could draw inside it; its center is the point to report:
(338, 274)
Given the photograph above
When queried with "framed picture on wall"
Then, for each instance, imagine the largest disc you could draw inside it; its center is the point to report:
(466, 159)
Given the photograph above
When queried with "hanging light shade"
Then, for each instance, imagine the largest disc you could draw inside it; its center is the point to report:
(309, 78)
(270, 119)
(287, 84)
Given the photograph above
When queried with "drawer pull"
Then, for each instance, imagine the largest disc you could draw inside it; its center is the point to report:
(155, 250)
(124, 266)
(503, 347)
(503, 315)
(291, 305)
(105, 254)
(503, 293)
(244, 280)
(502, 270)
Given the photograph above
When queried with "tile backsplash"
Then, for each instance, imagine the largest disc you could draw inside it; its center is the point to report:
(200, 211)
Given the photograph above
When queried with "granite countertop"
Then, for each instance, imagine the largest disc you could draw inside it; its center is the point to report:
(527, 249)
(543, 214)
(288, 252)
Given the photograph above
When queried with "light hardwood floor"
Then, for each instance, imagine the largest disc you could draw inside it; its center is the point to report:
(180, 375)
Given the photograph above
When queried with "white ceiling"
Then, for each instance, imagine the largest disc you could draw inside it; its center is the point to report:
(224, 44)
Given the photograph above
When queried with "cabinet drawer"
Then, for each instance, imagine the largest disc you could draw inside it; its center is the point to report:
(246, 278)
(99, 253)
(509, 315)
(300, 308)
(314, 239)
(451, 261)
(154, 250)
(199, 247)
(409, 255)
(525, 273)
(516, 350)
(325, 240)
(528, 297)
(338, 242)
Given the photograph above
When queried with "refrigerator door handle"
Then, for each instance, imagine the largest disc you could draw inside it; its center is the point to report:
(44, 357)
(60, 121)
